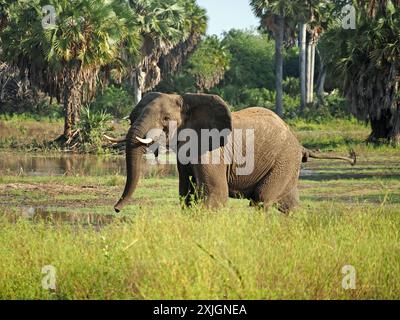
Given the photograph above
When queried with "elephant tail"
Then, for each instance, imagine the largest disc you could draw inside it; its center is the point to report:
(352, 159)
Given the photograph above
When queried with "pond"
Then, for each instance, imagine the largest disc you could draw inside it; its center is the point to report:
(83, 165)
(86, 165)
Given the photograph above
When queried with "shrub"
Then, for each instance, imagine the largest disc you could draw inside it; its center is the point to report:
(291, 106)
(241, 98)
(93, 126)
(291, 86)
(258, 97)
(335, 106)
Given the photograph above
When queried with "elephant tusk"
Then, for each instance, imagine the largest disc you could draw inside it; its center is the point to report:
(113, 140)
(144, 141)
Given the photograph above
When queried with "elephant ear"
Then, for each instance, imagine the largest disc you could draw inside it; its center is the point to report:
(137, 111)
(206, 111)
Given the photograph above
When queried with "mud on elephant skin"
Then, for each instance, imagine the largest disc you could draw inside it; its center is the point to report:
(276, 153)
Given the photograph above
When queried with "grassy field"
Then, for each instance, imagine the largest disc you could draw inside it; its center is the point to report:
(348, 216)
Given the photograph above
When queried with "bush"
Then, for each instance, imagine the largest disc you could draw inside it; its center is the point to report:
(258, 98)
(291, 86)
(241, 98)
(335, 106)
(93, 126)
(291, 106)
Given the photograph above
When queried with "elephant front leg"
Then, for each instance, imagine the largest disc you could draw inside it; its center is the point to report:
(187, 184)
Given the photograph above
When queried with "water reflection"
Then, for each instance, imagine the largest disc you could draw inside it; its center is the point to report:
(88, 165)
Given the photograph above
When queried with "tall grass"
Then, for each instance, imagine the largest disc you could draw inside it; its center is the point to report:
(348, 216)
(245, 254)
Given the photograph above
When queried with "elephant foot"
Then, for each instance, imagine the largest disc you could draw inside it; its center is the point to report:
(256, 204)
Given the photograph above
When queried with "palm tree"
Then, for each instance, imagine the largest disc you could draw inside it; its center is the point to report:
(64, 60)
(367, 58)
(276, 17)
(195, 25)
(170, 30)
(329, 16)
(4, 5)
(303, 64)
(5, 70)
(312, 16)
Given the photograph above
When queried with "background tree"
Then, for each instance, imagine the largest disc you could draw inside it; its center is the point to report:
(204, 69)
(252, 60)
(249, 80)
(4, 6)
(65, 59)
(209, 63)
(170, 31)
(314, 17)
(367, 58)
(277, 17)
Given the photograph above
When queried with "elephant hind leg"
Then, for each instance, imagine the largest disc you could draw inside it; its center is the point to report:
(270, 188)
(289, 201)
(279, 187)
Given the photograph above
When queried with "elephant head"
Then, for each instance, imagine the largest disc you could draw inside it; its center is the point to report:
(156, 111)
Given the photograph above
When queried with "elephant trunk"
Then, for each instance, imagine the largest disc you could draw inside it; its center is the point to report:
(134, 154)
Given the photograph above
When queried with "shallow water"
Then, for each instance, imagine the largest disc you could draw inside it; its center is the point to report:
(84, 165)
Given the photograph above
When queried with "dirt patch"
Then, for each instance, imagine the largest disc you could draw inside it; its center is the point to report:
(52, 189)
(50, 195)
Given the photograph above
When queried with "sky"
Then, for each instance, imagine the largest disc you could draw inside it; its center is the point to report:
(227, 14)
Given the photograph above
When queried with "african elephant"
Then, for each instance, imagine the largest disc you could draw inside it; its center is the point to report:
(277, 154)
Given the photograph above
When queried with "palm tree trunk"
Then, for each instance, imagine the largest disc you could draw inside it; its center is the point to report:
(279, 64)
(321, 83)
(312, 72)
(303, 63)
(137, 81)
(395, 136)
(310, 69)
(381, 128)
(72, 99)
(387, 128)
(136, 88)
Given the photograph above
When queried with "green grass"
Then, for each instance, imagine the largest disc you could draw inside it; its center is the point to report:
(243, 254)
(29, 117)
(154, 250)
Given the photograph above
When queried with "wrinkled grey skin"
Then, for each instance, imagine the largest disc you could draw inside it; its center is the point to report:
(278, 154)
